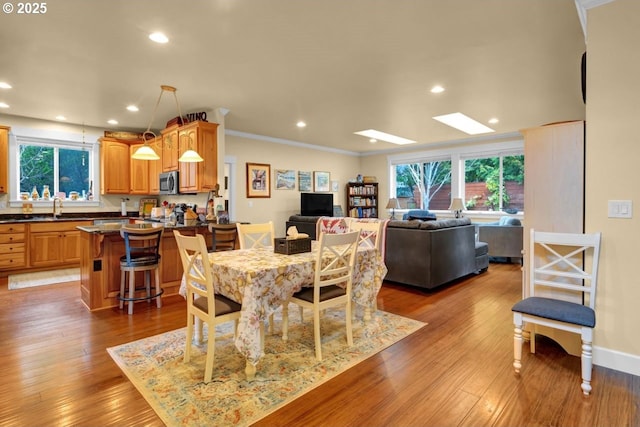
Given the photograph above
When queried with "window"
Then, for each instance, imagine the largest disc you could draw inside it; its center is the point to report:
(494, 183)
(424, 185)
(64, 167)
(489, 177)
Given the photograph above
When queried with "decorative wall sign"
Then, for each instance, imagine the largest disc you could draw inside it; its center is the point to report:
(321, 181)
(304, 181)
(285, 179)
(258, 180)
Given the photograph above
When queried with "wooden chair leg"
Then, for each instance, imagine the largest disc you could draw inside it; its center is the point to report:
(517, 343)
(132, 290)
(122, 286)
(586, 359)
(316, 334)
(285, 321)
(159, 297)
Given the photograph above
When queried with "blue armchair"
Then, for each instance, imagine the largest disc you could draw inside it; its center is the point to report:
(504, 238)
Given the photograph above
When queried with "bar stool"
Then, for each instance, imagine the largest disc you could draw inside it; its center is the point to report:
(223, 236)
(142, 245)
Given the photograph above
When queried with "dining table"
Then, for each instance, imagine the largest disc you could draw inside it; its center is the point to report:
(262, 280)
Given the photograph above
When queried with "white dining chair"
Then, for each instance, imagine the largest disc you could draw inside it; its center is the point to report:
(563, 277)
(255, 235)
(334, 266)
(202, 301)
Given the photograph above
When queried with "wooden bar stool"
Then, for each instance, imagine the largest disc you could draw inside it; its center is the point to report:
(142, 245)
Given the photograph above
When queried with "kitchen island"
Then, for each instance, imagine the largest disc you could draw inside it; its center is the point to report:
(102, 246)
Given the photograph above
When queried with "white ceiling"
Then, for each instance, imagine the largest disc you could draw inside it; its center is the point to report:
(341, 66)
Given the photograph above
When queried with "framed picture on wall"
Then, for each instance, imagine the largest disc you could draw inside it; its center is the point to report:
(321, 181)
(304, 181)
(285, 179)
(258, 180)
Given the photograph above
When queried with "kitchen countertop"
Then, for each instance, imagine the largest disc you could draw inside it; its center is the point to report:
(114, 227)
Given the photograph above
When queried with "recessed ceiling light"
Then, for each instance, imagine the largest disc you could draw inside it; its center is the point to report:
(373, 140)
(437, 89)
(159, 37)
(4, 105)
(132, 108)
(493, 120)
(5, 85)
(61, 118)
(376, 134)
(112, 122)
(301, 124)
(463, 123)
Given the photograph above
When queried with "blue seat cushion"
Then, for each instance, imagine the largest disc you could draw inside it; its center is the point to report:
(563, 311)
(420, 214)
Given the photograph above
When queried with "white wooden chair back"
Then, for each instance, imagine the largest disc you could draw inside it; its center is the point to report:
(198, 275)
(369, 233)
(253, 236)
(336, 257)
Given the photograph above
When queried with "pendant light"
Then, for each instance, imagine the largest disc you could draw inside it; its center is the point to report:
(190, 156)
(146, 152)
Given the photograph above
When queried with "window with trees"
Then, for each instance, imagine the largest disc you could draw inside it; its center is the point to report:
(488, 177)
(62, 167)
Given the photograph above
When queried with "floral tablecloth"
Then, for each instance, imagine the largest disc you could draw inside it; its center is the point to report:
(262, 280)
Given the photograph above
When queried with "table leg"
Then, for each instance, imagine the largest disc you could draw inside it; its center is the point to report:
(285, 321)
(250, 371)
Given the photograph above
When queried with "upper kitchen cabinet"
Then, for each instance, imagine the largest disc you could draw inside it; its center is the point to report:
(170, 149)
(155, 167)
(203, 138)
(114, 166)
(139, 172)
(4, 159)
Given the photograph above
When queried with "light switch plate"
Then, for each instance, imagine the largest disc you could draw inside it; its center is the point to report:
(620, 209)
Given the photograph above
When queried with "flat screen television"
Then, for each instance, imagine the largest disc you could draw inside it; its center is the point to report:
(316, 204)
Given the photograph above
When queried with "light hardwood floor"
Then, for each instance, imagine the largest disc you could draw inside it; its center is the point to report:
(457, 371)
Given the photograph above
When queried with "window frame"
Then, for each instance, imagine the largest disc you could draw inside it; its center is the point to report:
(56, 140)
(457, 154)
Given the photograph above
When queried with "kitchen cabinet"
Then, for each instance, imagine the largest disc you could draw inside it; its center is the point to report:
(139, 172)
(54, 243)
(114, 166)
(12, 246)
(203, 138)
(155, 167)
(170, 149)
(4, 159)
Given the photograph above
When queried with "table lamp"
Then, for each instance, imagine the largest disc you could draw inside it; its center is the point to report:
(393, 205)
(457, 207)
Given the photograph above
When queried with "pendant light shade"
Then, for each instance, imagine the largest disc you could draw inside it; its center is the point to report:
(145, 153)
(190, 156)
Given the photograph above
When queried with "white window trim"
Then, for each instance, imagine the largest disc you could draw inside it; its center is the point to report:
(20, 135)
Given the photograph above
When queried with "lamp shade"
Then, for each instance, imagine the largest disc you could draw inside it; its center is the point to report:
(190, 156)
(145, 153)
(456, 205)
(393, 204)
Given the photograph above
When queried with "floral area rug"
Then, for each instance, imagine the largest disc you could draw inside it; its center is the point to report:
(177, 393)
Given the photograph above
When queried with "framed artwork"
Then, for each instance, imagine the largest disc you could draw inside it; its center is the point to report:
(146, 205)
(258, 180)
(304, 181)
(285, 179)
(321, 181)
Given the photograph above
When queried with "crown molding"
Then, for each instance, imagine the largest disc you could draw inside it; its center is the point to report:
(582, 6)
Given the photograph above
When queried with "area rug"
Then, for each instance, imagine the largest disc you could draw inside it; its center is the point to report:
(41, 278)
(177, 393)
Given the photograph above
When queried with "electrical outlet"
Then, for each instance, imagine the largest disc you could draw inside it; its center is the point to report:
(136, 204)
(3, 205)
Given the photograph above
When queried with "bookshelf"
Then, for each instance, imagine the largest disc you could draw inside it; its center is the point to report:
(362, 200)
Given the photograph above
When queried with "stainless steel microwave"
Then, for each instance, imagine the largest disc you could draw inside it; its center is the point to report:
(169, 182)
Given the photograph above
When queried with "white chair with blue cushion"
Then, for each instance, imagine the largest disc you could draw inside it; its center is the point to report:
(563, 277)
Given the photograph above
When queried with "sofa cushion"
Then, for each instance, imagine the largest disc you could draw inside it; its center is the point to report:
(420, 214)
(444, 223)
(404, 224)
(508, 220)
(482, 248)
(303, 218)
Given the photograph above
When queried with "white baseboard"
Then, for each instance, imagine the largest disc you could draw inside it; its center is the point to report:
(617, 360)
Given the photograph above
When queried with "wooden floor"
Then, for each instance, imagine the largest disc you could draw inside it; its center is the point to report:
(457, 371)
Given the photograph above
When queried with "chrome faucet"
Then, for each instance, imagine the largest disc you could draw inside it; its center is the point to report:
(57, 207)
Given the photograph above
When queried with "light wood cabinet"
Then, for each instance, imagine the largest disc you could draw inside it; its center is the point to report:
(139, 172)
(155, 167)
(13, 246)
(170, 149)
(203, 138)
(54, 243)
(4, 159)
(114, 166)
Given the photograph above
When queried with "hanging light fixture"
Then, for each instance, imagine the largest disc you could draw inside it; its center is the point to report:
(190, 156)
(146, 152)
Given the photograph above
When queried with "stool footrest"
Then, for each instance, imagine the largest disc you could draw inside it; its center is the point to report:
(150, 297)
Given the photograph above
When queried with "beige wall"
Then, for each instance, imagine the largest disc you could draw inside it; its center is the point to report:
(612, 159)
(283, 203)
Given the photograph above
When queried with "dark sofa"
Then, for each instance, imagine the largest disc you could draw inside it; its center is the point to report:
(304, 224)
(431, 253)
(504, 238)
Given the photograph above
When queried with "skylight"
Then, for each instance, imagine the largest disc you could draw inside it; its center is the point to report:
(381, 136)
(463, 123)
